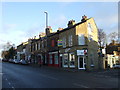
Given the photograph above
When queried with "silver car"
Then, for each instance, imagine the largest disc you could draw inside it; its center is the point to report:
(16, 61)
(115, 66)
(23, 62)
(11, 60)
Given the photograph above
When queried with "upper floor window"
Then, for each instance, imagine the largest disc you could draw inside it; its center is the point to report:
(81, 39)
(90, 29)
(45, 43)
(53, 43)
(64, 42)
(42, 44)
(70, 41)
(33, 47)
(39, 46)
(90, 37)
(36, 46)
(30, 48)
(24, 50)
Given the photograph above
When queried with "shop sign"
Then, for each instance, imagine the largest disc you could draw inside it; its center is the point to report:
(53, 52)
(80, 52)
(66, 50)
(59, 43)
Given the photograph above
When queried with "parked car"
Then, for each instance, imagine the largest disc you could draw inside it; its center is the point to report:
(16, 61)
(116, 66)
(4, 60)
(11, 60)
(23, 62)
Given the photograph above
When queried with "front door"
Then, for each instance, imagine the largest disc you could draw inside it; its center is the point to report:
(81, 63)
(53, 61)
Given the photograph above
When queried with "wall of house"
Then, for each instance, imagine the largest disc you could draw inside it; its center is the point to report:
(91, 40)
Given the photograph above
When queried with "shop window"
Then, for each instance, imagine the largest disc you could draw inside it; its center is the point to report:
(117, 62)
(81, 39)
(45, 59)
(112, 60)
(50, 59)
(65, 60)
(56, 58)
(72, 60)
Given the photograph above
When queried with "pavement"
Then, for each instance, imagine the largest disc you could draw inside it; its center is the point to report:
(112, 72)
(32, 76)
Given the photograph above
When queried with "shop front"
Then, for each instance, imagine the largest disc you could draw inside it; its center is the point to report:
(73, 59)
(68, 60)
(53, 59)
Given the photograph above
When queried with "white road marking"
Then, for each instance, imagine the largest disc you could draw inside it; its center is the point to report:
(83, 86)
(102, 76)
(48, 77)
(53, 78)
(12, 87)
(1, 73)
(9, 83)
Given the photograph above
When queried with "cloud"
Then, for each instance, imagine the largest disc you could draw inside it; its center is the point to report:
(108, 23)
(34, 30)
(109, 19)
(10, 32)
(59, 21)
(8, 28)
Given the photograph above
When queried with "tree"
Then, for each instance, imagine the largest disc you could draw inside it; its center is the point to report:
(113, 36)
(7, 46)
(4, 54)
(9, 51)
(101, 38)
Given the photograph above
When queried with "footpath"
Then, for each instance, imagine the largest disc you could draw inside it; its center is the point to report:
(105, 72)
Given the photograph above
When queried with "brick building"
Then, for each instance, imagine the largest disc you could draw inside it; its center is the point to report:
(72, 47)
(79, 45)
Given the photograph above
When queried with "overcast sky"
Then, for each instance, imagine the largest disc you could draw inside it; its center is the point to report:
(23, 20)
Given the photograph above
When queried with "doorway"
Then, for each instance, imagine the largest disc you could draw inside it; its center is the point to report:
(81, 62)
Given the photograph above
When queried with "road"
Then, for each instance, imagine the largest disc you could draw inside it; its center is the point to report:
(26, 76)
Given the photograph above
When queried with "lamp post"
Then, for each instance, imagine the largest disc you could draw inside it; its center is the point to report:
(46, 37)
(46, 18)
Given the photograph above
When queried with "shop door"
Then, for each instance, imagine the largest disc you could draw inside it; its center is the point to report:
(53, 60)
(81, 63)
(106, 64)
(60, 61)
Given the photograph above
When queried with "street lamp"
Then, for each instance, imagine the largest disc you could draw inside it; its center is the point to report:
(46, 18)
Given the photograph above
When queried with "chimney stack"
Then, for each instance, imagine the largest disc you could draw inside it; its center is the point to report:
(84, 18)
(48, 30)
(71, 23)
